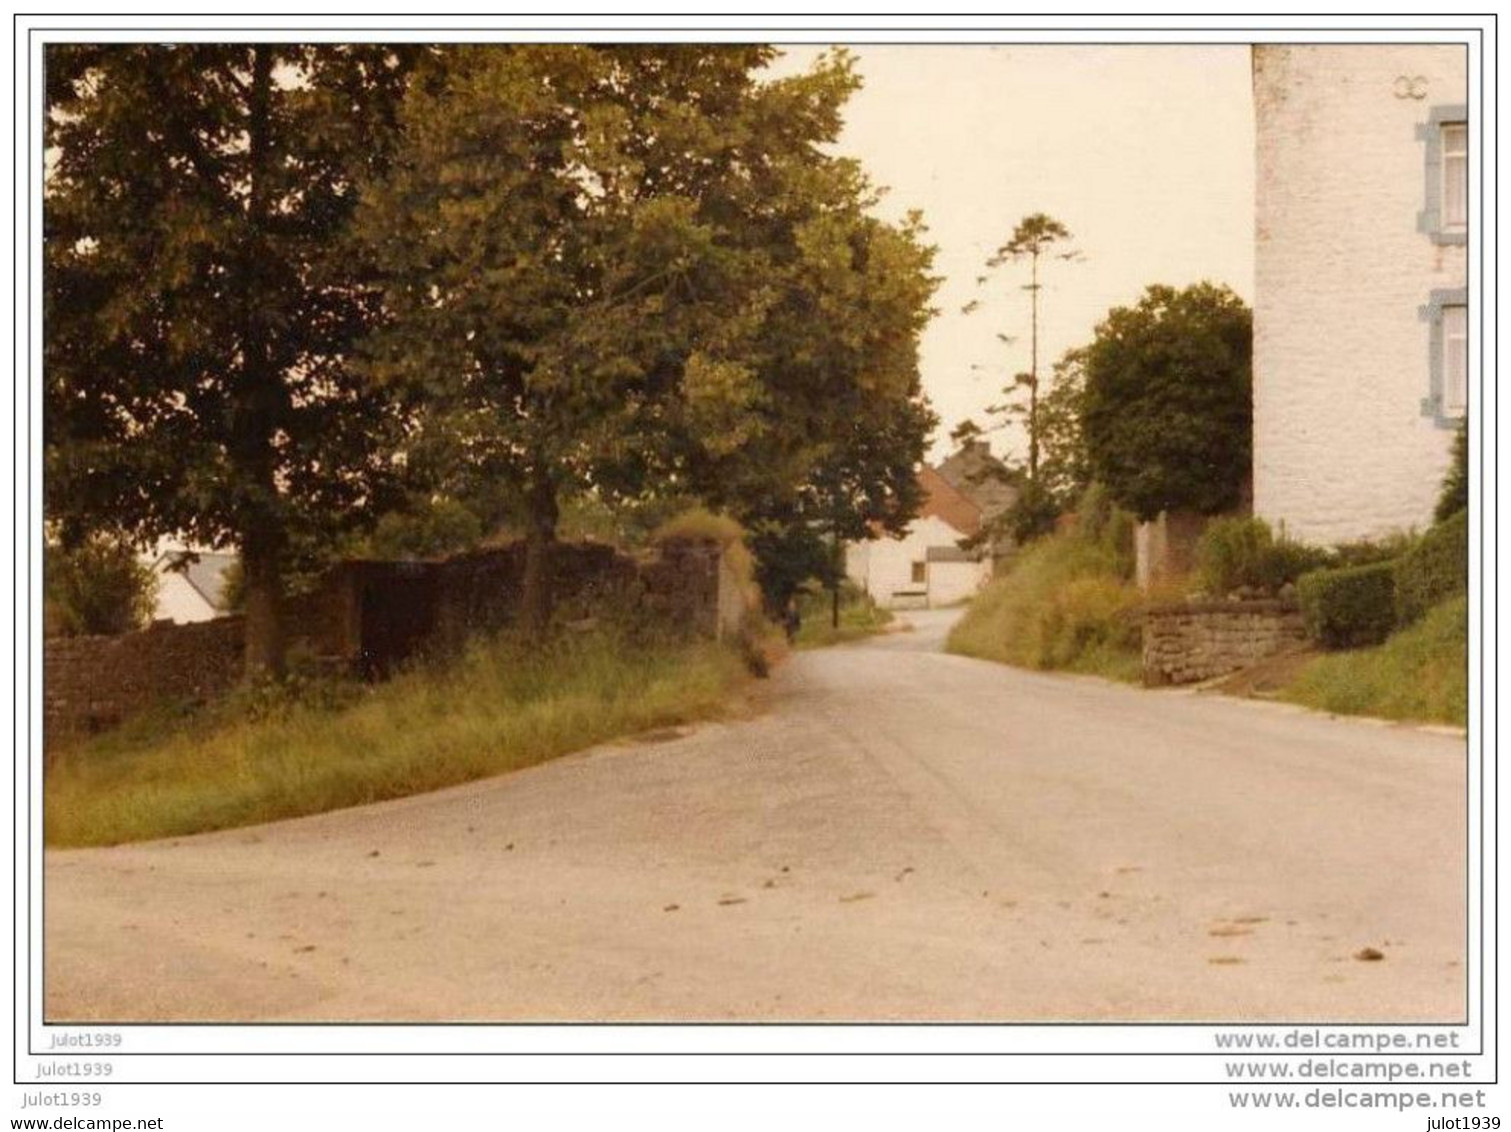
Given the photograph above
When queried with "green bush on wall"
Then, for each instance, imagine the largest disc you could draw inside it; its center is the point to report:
(1435, 568)
(1349, 608)
(1241, 551)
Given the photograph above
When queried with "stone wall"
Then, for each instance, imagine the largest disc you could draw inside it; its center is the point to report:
(93, 683)
(1193, 641)
(368, 617)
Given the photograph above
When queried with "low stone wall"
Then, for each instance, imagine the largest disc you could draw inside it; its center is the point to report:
(368, 617)
(93, 683)
(1190, 642)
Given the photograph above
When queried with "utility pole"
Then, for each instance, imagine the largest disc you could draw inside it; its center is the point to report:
(836, 568)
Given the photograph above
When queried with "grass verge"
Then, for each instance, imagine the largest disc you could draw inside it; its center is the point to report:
(1419, 673)
(1065, 605)
(859, 617)
(499, 708)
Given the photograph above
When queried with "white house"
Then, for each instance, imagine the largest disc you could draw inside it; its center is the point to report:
(926, 568)
(190, 584)
(1361, 325)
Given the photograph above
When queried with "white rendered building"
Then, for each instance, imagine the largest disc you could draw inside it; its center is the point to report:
(1361, 329)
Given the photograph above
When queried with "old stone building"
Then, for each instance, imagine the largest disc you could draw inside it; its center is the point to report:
(1361, 325)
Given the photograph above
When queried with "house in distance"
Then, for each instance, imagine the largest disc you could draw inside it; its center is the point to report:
(928, 567)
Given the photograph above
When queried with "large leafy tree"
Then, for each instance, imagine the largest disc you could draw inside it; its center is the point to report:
(199, 312)
(1064, 469)
(849, 417)
(1168, 403)
(632, 272)
(553, 272)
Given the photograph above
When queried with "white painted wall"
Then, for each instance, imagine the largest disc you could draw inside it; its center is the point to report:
(884, 567)
(1342, 447)
(950, 582)
(178, 601)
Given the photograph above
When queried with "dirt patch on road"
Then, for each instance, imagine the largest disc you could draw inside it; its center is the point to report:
(1265, 680)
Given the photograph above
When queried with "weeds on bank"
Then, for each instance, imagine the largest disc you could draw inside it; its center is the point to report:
(859, 617)
(1419, 673)
(1065, 605)
(501, 707)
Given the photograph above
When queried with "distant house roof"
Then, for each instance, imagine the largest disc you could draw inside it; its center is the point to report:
(204, 570)
(986, 481)
(945, 501)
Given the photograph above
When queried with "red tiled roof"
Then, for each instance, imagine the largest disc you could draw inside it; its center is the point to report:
(946, 502)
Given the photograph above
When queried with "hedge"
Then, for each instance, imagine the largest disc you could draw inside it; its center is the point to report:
(1349, 608)
(1433, 570)
(1242, 551)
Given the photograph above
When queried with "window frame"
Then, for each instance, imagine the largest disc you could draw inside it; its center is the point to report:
(1445, 354)
(1435, 405)
(1445, 155)
(1430, 220)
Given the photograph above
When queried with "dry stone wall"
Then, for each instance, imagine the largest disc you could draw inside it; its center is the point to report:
(1190, 642)
(93, 683)
(368, 617)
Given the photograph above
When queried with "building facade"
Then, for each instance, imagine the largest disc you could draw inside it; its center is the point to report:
(1361, 326)
(926, 568)
(191, 585)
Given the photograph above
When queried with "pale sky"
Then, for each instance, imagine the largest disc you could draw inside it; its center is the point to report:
(1144, 153)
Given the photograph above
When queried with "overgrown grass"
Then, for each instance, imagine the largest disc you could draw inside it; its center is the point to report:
(859, 617)
(500, 708)
(1065, 605)
(1419, 673)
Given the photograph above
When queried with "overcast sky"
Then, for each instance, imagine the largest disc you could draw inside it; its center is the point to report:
(1144, 153)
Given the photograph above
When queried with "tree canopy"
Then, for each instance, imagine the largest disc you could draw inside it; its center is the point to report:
(199, 314)
(290, 288)
(634, 270)
(97, 586)
(1167, 408)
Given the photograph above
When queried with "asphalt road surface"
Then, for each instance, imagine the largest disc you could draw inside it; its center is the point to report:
(892, 834)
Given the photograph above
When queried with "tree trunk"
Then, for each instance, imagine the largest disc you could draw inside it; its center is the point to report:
(537, 594)
(262, 575)
(836, 572)
(259, 392)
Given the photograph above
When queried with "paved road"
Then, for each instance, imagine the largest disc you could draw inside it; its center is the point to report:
(894, 834)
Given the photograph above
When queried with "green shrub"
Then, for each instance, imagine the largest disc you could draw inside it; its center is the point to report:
(1435, 568)
(859, 616)
(425, 528)
(98, 587)
(1362, 552)
(1102, 522)
(1349, 607)
(1089, 617)
(1419, 673)
(1455, 494)
(1242, 551)
(1063, 605)
(1094, 512)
